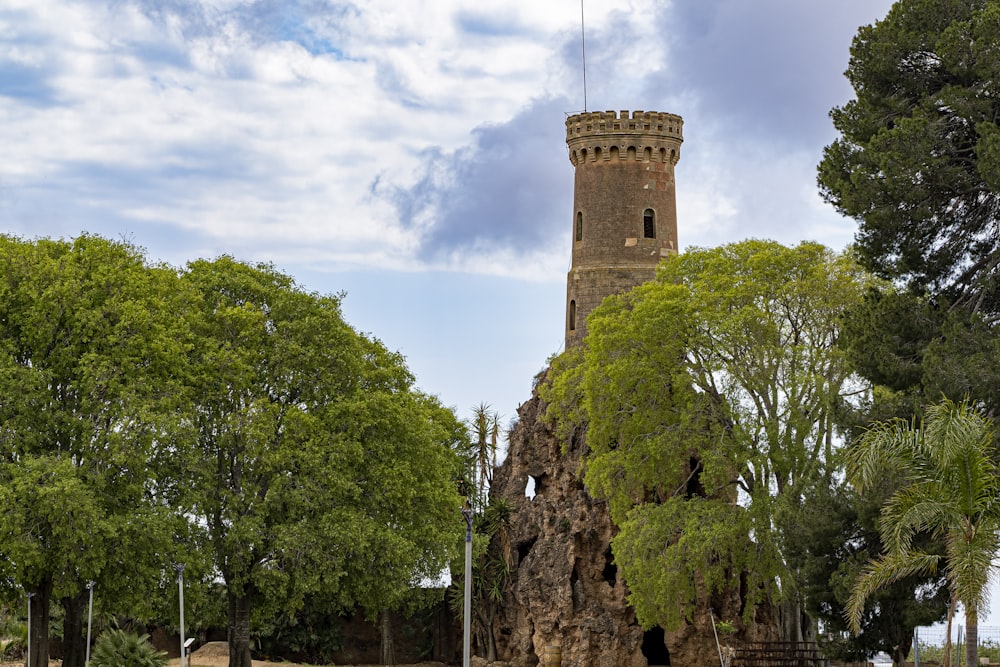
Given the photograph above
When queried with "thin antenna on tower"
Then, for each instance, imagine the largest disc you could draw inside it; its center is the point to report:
(583, 48)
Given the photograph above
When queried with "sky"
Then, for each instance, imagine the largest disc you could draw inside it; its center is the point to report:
(411, 154)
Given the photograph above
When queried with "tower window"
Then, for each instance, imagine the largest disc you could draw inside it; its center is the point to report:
(572, 315)
(649, 224)
(579, 225)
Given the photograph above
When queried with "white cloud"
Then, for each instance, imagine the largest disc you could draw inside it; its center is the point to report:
(279, 127)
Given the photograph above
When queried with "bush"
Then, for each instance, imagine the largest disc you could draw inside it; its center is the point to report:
(14, 650)
(118, 648)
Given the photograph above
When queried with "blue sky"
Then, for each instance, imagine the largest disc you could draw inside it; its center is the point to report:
(410, 154)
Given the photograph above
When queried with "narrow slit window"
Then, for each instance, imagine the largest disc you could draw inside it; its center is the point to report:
(579, 226)
(649, 224)
(572, 315)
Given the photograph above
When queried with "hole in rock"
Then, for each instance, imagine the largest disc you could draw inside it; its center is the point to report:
(524, 548)
(610, 572)
(654, 647)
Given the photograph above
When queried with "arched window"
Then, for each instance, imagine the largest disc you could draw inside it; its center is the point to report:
(649, 224)
(572, 315)
(579, 225)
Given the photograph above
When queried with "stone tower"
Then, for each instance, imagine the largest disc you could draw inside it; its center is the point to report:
(624, 205)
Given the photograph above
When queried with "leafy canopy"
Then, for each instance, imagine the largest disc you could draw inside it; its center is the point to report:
(316, 468)
(708, 399)
(951, 490)
(918, 159)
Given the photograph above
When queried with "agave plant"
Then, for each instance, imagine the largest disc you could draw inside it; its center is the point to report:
(118, 648)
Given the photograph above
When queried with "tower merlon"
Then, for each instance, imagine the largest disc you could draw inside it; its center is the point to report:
(608, 135)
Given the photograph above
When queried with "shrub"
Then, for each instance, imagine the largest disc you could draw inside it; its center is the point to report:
(14, 650)
(118, 648)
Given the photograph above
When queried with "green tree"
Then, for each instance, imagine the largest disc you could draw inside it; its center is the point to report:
(950, 489)
(709, 398)
(91, 354)
(52, 529)
(317, 467)
(838, 535)
(916, 350)
(918, 158)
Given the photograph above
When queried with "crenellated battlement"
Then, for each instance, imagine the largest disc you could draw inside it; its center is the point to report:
(609, 135)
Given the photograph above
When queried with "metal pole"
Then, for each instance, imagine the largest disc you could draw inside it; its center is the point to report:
(711, 615)
(90, 619)
(30, 595)
(180, 588)
(583, 49)
(467, 616)
(916, 648)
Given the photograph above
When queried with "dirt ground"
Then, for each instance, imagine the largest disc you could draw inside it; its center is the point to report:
(223, 662)
(216, 654)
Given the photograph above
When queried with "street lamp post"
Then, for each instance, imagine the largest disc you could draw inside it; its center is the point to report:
(90, 619)
(467, 616)
(30, 595)
(180, 588)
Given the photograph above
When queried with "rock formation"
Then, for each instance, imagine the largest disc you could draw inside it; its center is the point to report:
(565, 589)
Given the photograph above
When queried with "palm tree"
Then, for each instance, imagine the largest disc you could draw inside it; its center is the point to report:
(951, 490)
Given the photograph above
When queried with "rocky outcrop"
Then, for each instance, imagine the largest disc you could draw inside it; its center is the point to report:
(565, 589)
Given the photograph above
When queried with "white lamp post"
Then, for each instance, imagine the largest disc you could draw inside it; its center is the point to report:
(30, 595)
(90, 620)
(180, 588)
(467, 617)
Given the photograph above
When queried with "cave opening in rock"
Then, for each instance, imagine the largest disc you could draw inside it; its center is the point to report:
(538, 482)
(524, 548)
(610, 572)
(574, 579)
(654, 647)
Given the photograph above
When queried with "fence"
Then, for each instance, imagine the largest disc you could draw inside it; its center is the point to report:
(930, 645)
(777, 654)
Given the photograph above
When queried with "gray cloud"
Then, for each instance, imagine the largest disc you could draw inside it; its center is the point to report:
(755, 82)
(768, 70)
(490, 24)
(505, 191)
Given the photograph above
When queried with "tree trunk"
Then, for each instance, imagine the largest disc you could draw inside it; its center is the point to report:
(39, 642)
(790, 613)
(947, 638)
(491, 642)
(387, 652)
(239, 629)
(484, 630)
(971, 637)
(74, 629)
(899, 654)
